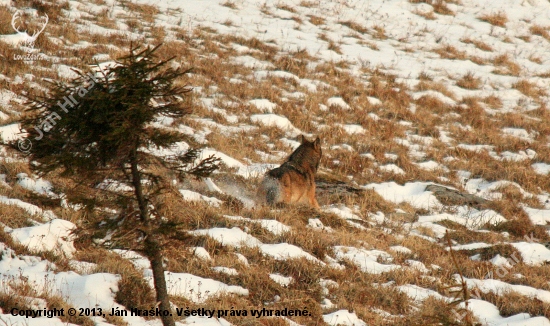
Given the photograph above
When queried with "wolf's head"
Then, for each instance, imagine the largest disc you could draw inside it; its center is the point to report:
(308, 154)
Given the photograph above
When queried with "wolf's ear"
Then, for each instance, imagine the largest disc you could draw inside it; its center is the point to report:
(303, 139)
(317, 143)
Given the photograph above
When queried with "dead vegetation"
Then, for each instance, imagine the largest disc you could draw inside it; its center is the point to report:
(478, 44)
(469, 81)
(497, 19)
(389, 124)
(439, 6)
(540, 31)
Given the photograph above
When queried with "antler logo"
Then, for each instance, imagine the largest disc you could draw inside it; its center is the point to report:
(31, 33)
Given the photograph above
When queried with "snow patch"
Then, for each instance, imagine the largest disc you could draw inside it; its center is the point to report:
(52, 236)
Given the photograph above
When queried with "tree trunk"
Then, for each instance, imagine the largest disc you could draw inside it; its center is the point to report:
(152, 247)
(155, 257)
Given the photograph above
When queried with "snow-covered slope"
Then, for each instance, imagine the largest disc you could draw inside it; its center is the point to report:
(405, 95)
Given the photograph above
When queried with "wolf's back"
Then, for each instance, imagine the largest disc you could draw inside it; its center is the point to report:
(294, 181)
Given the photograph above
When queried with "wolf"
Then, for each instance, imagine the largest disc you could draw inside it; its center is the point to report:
(294, 181)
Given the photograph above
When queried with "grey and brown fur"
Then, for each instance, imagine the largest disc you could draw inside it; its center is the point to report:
(294, 181)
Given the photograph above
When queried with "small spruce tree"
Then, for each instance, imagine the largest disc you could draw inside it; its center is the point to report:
(99, 128)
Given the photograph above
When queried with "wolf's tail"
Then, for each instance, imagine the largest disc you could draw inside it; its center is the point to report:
(271, 189)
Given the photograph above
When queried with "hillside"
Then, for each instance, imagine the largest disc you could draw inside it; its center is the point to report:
(434, 184)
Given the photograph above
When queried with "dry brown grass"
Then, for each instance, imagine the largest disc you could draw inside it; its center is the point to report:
(439, 6)
(463, 235)
(11, 300)
(352, 294)
(286, 7)
(427, 84)
(450, 52)
(512, 303)
(133, 289)
(297, 19)
(334, 47)
(5, 16)
(506, 66)
(316, 20)
(497, 19)
(540, 31)
(469, 81)
(478, 43)
(354, 26)
(379, 32)
(538, 275)
(544, 74)
(104, 20)
(253, 277)
(59, 303)
(525, 38)
(535, 59)
(482, 165)
(230, 4)
(145, 11)
(241, 145)
(308, 4)
(11, 170)
(295, 62)
(9, 67)
(52, 9)
(371, 45)
(427, 15)
(493, 101)
(529, 88)
(210, 55)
